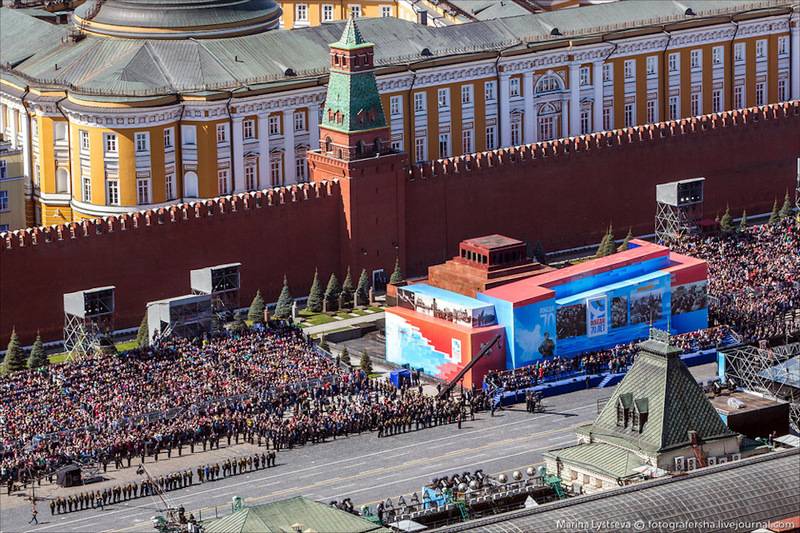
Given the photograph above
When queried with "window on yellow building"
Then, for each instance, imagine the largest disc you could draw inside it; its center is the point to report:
(223, 183)
(652, 65)
(674, 60)
(112, 192)
(299, 121)
(651, 111)
(169, 134)
(386, 11)
(466, 141)
(86, 189)
(694, 104)
(489, 90)
(513, 87)
(673, 107)
(421, 148)
(584, 76)
(444, 145)
(276, 171)
(222, 133)
(738, 52)
(717, 55)
(738, 96)
(3, 168)
(444, 98)
(274, 125)
(629, 69)
(695, 58)
(516, 129)
(327, 12)
(143, 191)
(490, 138)
(761, 48)
(760, 93)
(630, 114)
(355, 11)
(300, 166)
(716, 100)
(249, 129)
(301, 13)
(142, 144)
(608, 73)
(3, 200)
(395, 102)
(110, 141)
(84, 140)
(783, 94)
(169, 185)
(783, 46)
(466, 95)
(250, 181)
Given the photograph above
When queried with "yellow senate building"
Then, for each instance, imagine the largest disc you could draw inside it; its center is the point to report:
(131, 106)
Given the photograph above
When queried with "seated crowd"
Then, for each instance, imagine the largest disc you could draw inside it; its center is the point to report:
(265, 386)
(754, 277)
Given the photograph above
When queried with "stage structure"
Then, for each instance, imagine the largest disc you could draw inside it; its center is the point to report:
(773, 372)
(679, 205)
(88, 315)
(221, 282)
(185, 316)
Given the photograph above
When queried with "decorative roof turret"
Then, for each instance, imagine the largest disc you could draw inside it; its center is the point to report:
(353, 103)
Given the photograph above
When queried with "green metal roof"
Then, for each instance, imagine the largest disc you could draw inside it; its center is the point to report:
(659, 384)
(351, 37)
(601, 458)
(99, 65)
(280, 516)
(353, 102)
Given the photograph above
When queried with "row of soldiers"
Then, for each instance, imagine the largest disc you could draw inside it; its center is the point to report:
(165, 483)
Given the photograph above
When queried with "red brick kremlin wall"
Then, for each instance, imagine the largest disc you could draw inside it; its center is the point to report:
(562, 193)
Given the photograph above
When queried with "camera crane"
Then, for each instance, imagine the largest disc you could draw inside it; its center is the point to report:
(447, 388)
(172, 518)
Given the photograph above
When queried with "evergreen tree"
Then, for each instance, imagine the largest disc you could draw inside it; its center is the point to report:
(743, 222)
(283, 309)
(314, 302)
(216, 326)
(624, 246)
(363, 288)
(332, 292)
(539, 254)
(345, 356)
(726, 222)
(256, 312)
(786, 208)
(366, 362)
(397, 275)
(15, 357)
(37, 357)
(348, 289)
(143, 335)
(606, 246)
(774, 217)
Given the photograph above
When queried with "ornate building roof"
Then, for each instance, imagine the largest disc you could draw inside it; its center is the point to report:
(663, 402)
(176, 19)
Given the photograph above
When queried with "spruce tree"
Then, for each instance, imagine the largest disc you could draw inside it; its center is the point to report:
(143, 335)
(37, 357)
(743, 222)
(786, 208)
(603, 246)
(624, 246)
(348, 289)
(775, 216)
(363, 288)
(332, 292)
(256, 312)
(314, 302)
(726, 222)
(283, 309)
(366, 362)
(611, 247)
(345, 356)
(397, 275)
(15, 357)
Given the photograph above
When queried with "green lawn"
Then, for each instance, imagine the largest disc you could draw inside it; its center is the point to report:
(126, 345)
(58, 358)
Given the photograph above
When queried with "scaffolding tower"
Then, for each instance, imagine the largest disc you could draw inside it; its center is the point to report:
(221, 282)
(88, 315)
(679, 205)
(185, 316)
(773, 372)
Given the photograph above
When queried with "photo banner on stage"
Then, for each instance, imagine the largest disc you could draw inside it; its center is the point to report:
(597, 316)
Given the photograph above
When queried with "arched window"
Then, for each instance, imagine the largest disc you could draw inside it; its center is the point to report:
(62, 180)
(377, 145)
(360, 147)
(190, 184)
(328, 144)
(549, 83)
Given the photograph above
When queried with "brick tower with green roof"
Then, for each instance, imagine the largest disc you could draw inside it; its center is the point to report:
(355, 149)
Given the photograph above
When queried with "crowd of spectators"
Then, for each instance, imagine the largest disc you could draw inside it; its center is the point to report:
(754, 277)
(269, 387)
(614, 360)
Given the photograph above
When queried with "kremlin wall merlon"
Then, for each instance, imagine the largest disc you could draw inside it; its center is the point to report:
(561, 193)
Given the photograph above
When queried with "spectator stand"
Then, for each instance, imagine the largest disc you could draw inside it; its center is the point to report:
(221, 282)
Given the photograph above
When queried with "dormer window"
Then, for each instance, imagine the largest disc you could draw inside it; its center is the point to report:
(336, 59)
(624, 409)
